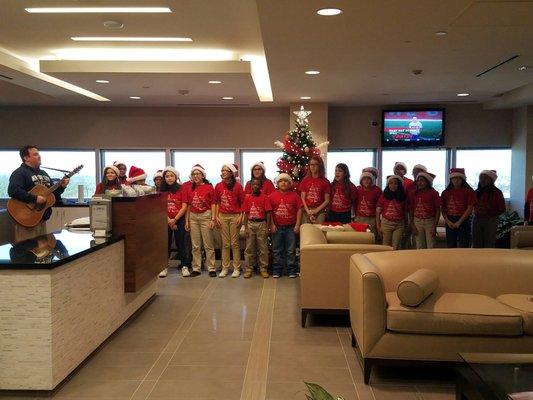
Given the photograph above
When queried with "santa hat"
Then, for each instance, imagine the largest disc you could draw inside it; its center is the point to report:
(198, 167)
(281, 176)
(113, 168)
(490, 173)
(170, 168)
(136, 174)
(260, 164)
(372, 170)
(429, 176)
(398, 177)
(457, 173)
(420, 167)
(400, 164)
(234, 168)
(158, 174)
(367, 175)
(117, 163)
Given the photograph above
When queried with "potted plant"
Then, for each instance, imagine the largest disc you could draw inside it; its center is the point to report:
(317, 392)
(505, 222)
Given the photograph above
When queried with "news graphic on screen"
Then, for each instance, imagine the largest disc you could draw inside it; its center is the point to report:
(413, 127)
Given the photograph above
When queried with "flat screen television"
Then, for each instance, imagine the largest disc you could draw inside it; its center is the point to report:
(412, 128)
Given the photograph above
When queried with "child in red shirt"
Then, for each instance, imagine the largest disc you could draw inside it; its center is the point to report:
(176, 215)
(528, 208)
(201, 220)
(367, 198)
(391, 212)
(286, 219)
(424, 210)
(490, 204)
(258, 172)
(110, 180)
(400, 169)
(229, 197)
(343, 196)
(256, 212)
(458, 200)
(315, 192)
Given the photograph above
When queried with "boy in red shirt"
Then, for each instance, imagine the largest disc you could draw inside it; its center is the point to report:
(391, 212)
(424, 210)
(256, 211)
(367, 197)
(286, 219)
(458, 200)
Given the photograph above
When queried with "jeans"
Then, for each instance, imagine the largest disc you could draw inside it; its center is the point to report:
(179, 239)
(284, 250)
(342, 217)
(459, 237)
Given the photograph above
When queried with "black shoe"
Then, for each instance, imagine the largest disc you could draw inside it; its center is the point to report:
(196, 273)
(213, 274)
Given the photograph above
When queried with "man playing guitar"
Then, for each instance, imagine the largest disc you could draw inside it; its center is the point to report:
(22, 180)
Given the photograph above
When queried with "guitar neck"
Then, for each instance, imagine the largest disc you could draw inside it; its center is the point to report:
(52, 188)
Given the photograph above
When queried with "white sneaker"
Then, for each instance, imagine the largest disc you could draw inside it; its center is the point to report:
(223, 273)
(236, 273)
(163, 273)
(185, 272)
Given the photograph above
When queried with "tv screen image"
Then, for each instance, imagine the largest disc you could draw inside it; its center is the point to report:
(413, 127)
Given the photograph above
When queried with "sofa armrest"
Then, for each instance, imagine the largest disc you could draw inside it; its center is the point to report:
(354, 248)
(368, 307)
(350, 237)
(521, 236)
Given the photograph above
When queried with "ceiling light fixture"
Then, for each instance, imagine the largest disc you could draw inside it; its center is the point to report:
(463, 94)
(215, 82)
(113, 24)
(305, 98)
(135, 97)
(327, 12)
(227, 98)
(102, 81)
(441, 33)
(89, 10)
(312, 72)
(129, 39)
(141, 54)
(524, 67)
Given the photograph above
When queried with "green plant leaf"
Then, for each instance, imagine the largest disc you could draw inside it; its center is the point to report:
(318, 392)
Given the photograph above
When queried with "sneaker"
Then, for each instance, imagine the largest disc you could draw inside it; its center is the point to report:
(223, 273)
(195, 273)
(264, 274)
(236, 273)
(247, 274)
(293, 275)
(185, 272)
(276, 276)
(212, 274)
(164, 273)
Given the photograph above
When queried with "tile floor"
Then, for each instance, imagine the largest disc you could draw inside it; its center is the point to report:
(211, 338)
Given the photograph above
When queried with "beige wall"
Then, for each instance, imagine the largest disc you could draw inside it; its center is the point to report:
(466, 126)
(522, 162)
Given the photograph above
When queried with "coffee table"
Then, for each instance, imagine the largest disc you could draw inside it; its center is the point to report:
(493, 376)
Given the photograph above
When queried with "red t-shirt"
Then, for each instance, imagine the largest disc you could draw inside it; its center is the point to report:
(256, 206)
(529, 200)
(490, 206)
(285, 206)
(424, 204)
(366, 201)
(201, 198)
(456, 201)
(315, 190)
(339, 201)
(175, 202)
(407, 183)
(267, 188)
(229, 201)
(393, 210)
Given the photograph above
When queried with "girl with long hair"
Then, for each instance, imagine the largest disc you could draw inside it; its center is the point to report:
(343, 196)
(315, 192)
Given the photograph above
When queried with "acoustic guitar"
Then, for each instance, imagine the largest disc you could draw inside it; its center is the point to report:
(30, 214)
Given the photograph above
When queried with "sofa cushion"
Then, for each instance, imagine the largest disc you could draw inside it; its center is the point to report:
(454, 314)
(522, 304)
(417, 287)
(311, 234)
(349, 237)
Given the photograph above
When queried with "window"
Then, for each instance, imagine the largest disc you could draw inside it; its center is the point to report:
(212, 162)
(10, 162)
(475, 161)
(434, 160)
(149, 160)
(269, 158)
(355, 160)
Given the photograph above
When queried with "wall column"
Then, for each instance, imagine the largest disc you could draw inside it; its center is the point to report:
(522, 158)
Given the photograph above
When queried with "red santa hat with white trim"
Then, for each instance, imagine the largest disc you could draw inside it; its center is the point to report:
(400, 164)
(117, 163)
(158, 174)
(136, 174)
(490, 173)
(170, 168)
(367, 174)
(457, 173)
(260, 164)
(234, 168)
(112, 168)
(398, 177)
(420, 167)
(373, 171)
(428, 175)
(198, 167)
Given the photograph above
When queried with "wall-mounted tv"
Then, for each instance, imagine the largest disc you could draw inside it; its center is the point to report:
(413, 128)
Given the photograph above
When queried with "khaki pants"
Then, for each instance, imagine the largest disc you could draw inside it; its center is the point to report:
(230, 241)
(257, 243)
(424, 238)
(201, 234)
(392, 232)
(22, 233)
(320, 218)
(484, 232)
(371, 221)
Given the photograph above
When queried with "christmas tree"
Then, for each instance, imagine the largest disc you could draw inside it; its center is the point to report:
(298, 147)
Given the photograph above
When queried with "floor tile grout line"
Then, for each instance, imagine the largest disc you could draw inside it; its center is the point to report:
(211, 283)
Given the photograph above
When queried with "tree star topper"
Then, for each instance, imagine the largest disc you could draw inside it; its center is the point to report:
(302, 114)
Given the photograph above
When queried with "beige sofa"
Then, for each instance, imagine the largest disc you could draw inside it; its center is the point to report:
(469, 312)
(324, 262)
(522, 237)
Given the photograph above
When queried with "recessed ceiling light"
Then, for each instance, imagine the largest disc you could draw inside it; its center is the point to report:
(215, 82)
(524, 67)
(113, 24)
(101, 81)
(312, 72)
(129, 39)
(305, 98)
(329, 11)
(463, 94)
(441, 33)
(63, 10)
(135, 97)
(227, 98)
